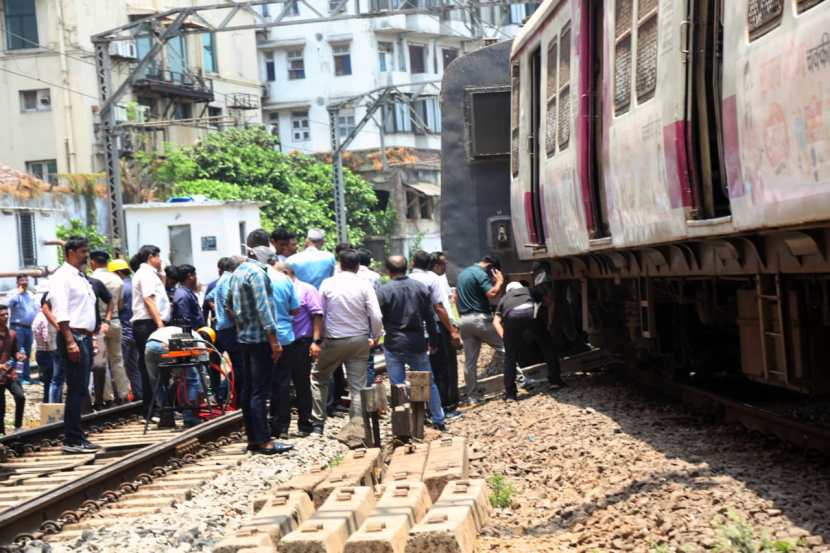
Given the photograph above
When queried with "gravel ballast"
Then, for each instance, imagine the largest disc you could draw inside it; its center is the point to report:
(596, 467)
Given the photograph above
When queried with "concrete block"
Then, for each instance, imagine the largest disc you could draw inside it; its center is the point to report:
(453, 523)
(236, 543)
(419, 385)
(305, 482)
(328, 529)
(281, 514)
(408, 463)
(401, 506)
(448, 460)
(360, 467)
(402, 421)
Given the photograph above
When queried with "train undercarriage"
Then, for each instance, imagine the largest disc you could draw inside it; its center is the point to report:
(756, 306)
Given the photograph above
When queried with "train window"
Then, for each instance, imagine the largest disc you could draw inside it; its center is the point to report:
(804, 5)
(646, 52)
(564, 132)
(623, 23)
(514, 118)
(550, 121)
(763, 16)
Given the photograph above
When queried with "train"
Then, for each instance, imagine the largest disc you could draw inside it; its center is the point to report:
(669, 161)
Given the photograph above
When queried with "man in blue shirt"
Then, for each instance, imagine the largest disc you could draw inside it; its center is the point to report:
(22, 311)
(185, 303)
(313, 265)
(286, 305)
(226, 340)
(250, 302)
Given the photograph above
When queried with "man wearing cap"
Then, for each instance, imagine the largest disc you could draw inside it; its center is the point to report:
(478, 284)
(109, 335)
(313, 265)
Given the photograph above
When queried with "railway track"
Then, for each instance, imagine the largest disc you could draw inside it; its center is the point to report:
(44, 492)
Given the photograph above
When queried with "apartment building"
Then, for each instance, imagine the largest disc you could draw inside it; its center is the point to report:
(308, 67)
(48, 83)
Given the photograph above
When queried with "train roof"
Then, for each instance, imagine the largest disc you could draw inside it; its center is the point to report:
(534, 24)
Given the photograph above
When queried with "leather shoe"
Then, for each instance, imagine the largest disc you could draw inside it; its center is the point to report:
(274, 449)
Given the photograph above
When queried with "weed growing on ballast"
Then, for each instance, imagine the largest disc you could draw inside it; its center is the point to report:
(501, 491)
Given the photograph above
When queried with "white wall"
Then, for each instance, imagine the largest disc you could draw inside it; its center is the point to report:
(149, 224)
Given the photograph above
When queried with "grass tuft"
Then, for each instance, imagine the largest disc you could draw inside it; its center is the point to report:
(501, 491)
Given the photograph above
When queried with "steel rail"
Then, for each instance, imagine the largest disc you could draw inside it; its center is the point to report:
(55, 429)
(28, 516)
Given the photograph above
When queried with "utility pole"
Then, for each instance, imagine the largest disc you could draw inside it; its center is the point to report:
(340, 212)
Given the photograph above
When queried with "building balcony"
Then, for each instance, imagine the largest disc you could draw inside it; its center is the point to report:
(175, 84)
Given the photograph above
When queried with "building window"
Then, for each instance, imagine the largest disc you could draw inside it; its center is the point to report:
(183, 111)
(21, 25)
(345, 123)
(26, 239)
(426, 115)
(417, 59)
(243, 238)
(270, 71)
(35, 100)
(300, 131)
(386, 57)
(294, 8)
(412, 205)
(296, 65)
(426, 207)
(646, 82)
(342, 60)
(177, 57)
(396, 117)
(45, 169)
(623, 17)
(448, 54)
(334, 5)
(209, 53)
(274, 122)
(804, 5)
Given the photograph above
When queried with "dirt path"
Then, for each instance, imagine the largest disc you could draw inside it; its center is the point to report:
(596, 467)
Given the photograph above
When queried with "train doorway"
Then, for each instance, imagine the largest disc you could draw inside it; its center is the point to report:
(595, 174)
(704, 112)
(538, 226)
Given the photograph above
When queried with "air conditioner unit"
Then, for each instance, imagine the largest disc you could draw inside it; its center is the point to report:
(123, 49)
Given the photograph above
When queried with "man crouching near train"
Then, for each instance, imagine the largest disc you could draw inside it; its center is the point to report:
(521, 319)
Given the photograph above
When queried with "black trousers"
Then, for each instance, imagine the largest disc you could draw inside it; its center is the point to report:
(141, 332)
(520, 329)
(226, 342)
(444, 364)
(16, 390)
(294, 366)
(256, 372)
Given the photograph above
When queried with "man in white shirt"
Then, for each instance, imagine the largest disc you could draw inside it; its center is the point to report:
(445, 361)
(151, 308)
(73, 306)
(352, 321)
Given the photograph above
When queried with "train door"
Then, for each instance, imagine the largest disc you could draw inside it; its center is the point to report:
(704, 113)
(595, 174)
(534, 147)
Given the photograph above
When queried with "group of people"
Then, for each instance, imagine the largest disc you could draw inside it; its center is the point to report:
(309, 318)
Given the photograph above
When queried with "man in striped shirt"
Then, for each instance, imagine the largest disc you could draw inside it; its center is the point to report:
(250, 302)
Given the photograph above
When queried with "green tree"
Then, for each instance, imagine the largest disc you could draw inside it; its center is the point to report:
(297, 189)
(97, 241)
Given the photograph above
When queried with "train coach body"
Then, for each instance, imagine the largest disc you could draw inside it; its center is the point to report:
(633, 129)
(671, 159)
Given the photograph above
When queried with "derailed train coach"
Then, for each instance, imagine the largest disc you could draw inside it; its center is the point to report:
(672, 159)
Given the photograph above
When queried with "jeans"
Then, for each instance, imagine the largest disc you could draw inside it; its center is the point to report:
(141, 331)
(46, 366)
(475, 329)
(159, 376)
(226, 342)
(58, 379)
(395, 362)
(16, 390)
(130, 355)
(77, 385)
(444, 364)
(520, 328)
(24, 340)
(294, 366)
(353, 352)
(255, 373)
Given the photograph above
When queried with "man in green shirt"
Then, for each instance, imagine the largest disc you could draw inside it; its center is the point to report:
(477, 286)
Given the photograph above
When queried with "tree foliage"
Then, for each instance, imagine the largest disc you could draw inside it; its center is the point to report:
(97, 241)
(298, 192)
